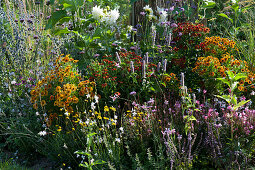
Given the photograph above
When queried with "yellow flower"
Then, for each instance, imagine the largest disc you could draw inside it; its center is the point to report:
(113, 109)
(106, 118)
(106, 109)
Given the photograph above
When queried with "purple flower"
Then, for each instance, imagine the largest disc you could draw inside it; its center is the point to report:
(114, 44)
(96, 55)
(133, 48)
(182, 9)
(134, 29)
(180, 33)
(154, 110)
(132, 93)
(204, 91)
(142, 13)
(151, 101)
(166, 102)
(171, 8)
(177, 12)
(138, 26)
(174, 25)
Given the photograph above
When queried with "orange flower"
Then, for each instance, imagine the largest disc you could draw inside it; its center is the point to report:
(43, 103)
(35, 106)
(212, 74)
(51, 97)
(75, 99)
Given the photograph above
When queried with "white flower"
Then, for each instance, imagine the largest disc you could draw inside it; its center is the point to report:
(42, 133)
(121, 129)
(117, 140)
(93, 106)
(67, 114)
(13, 82)
(252, 93)
(112, 16)
(115, 117)
(88, 95)
(37, 114)
(233, 1)
(96, 99)
(162, 15)
(129, 28)
(110, 151)
(148, 9)
(65, 146)
(98, 13)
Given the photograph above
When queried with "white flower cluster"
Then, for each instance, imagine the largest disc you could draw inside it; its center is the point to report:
(102, 15)
(162, 15)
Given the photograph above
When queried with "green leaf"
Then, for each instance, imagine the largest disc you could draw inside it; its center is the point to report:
(61, 31)
(230, 75)
(224, 97)
(91, 134)
(83, 153)
(56, 16)
(233, 100)
(240, 76)
(86, 165)
(225, 16)
(224, 80)
(66, 5)
(151, 89)
(99, 162)
(209, 5)
(235, 7)
(240, 104)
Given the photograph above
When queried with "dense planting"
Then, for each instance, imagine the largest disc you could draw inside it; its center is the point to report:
(81, 87)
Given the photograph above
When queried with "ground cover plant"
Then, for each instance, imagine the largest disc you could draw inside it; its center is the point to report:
(84, 85)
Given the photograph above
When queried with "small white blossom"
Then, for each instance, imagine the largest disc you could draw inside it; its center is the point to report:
(96, 99)
(13, 82)
(117, 140)
(66, 113)
(129, 28)
(42, 133)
